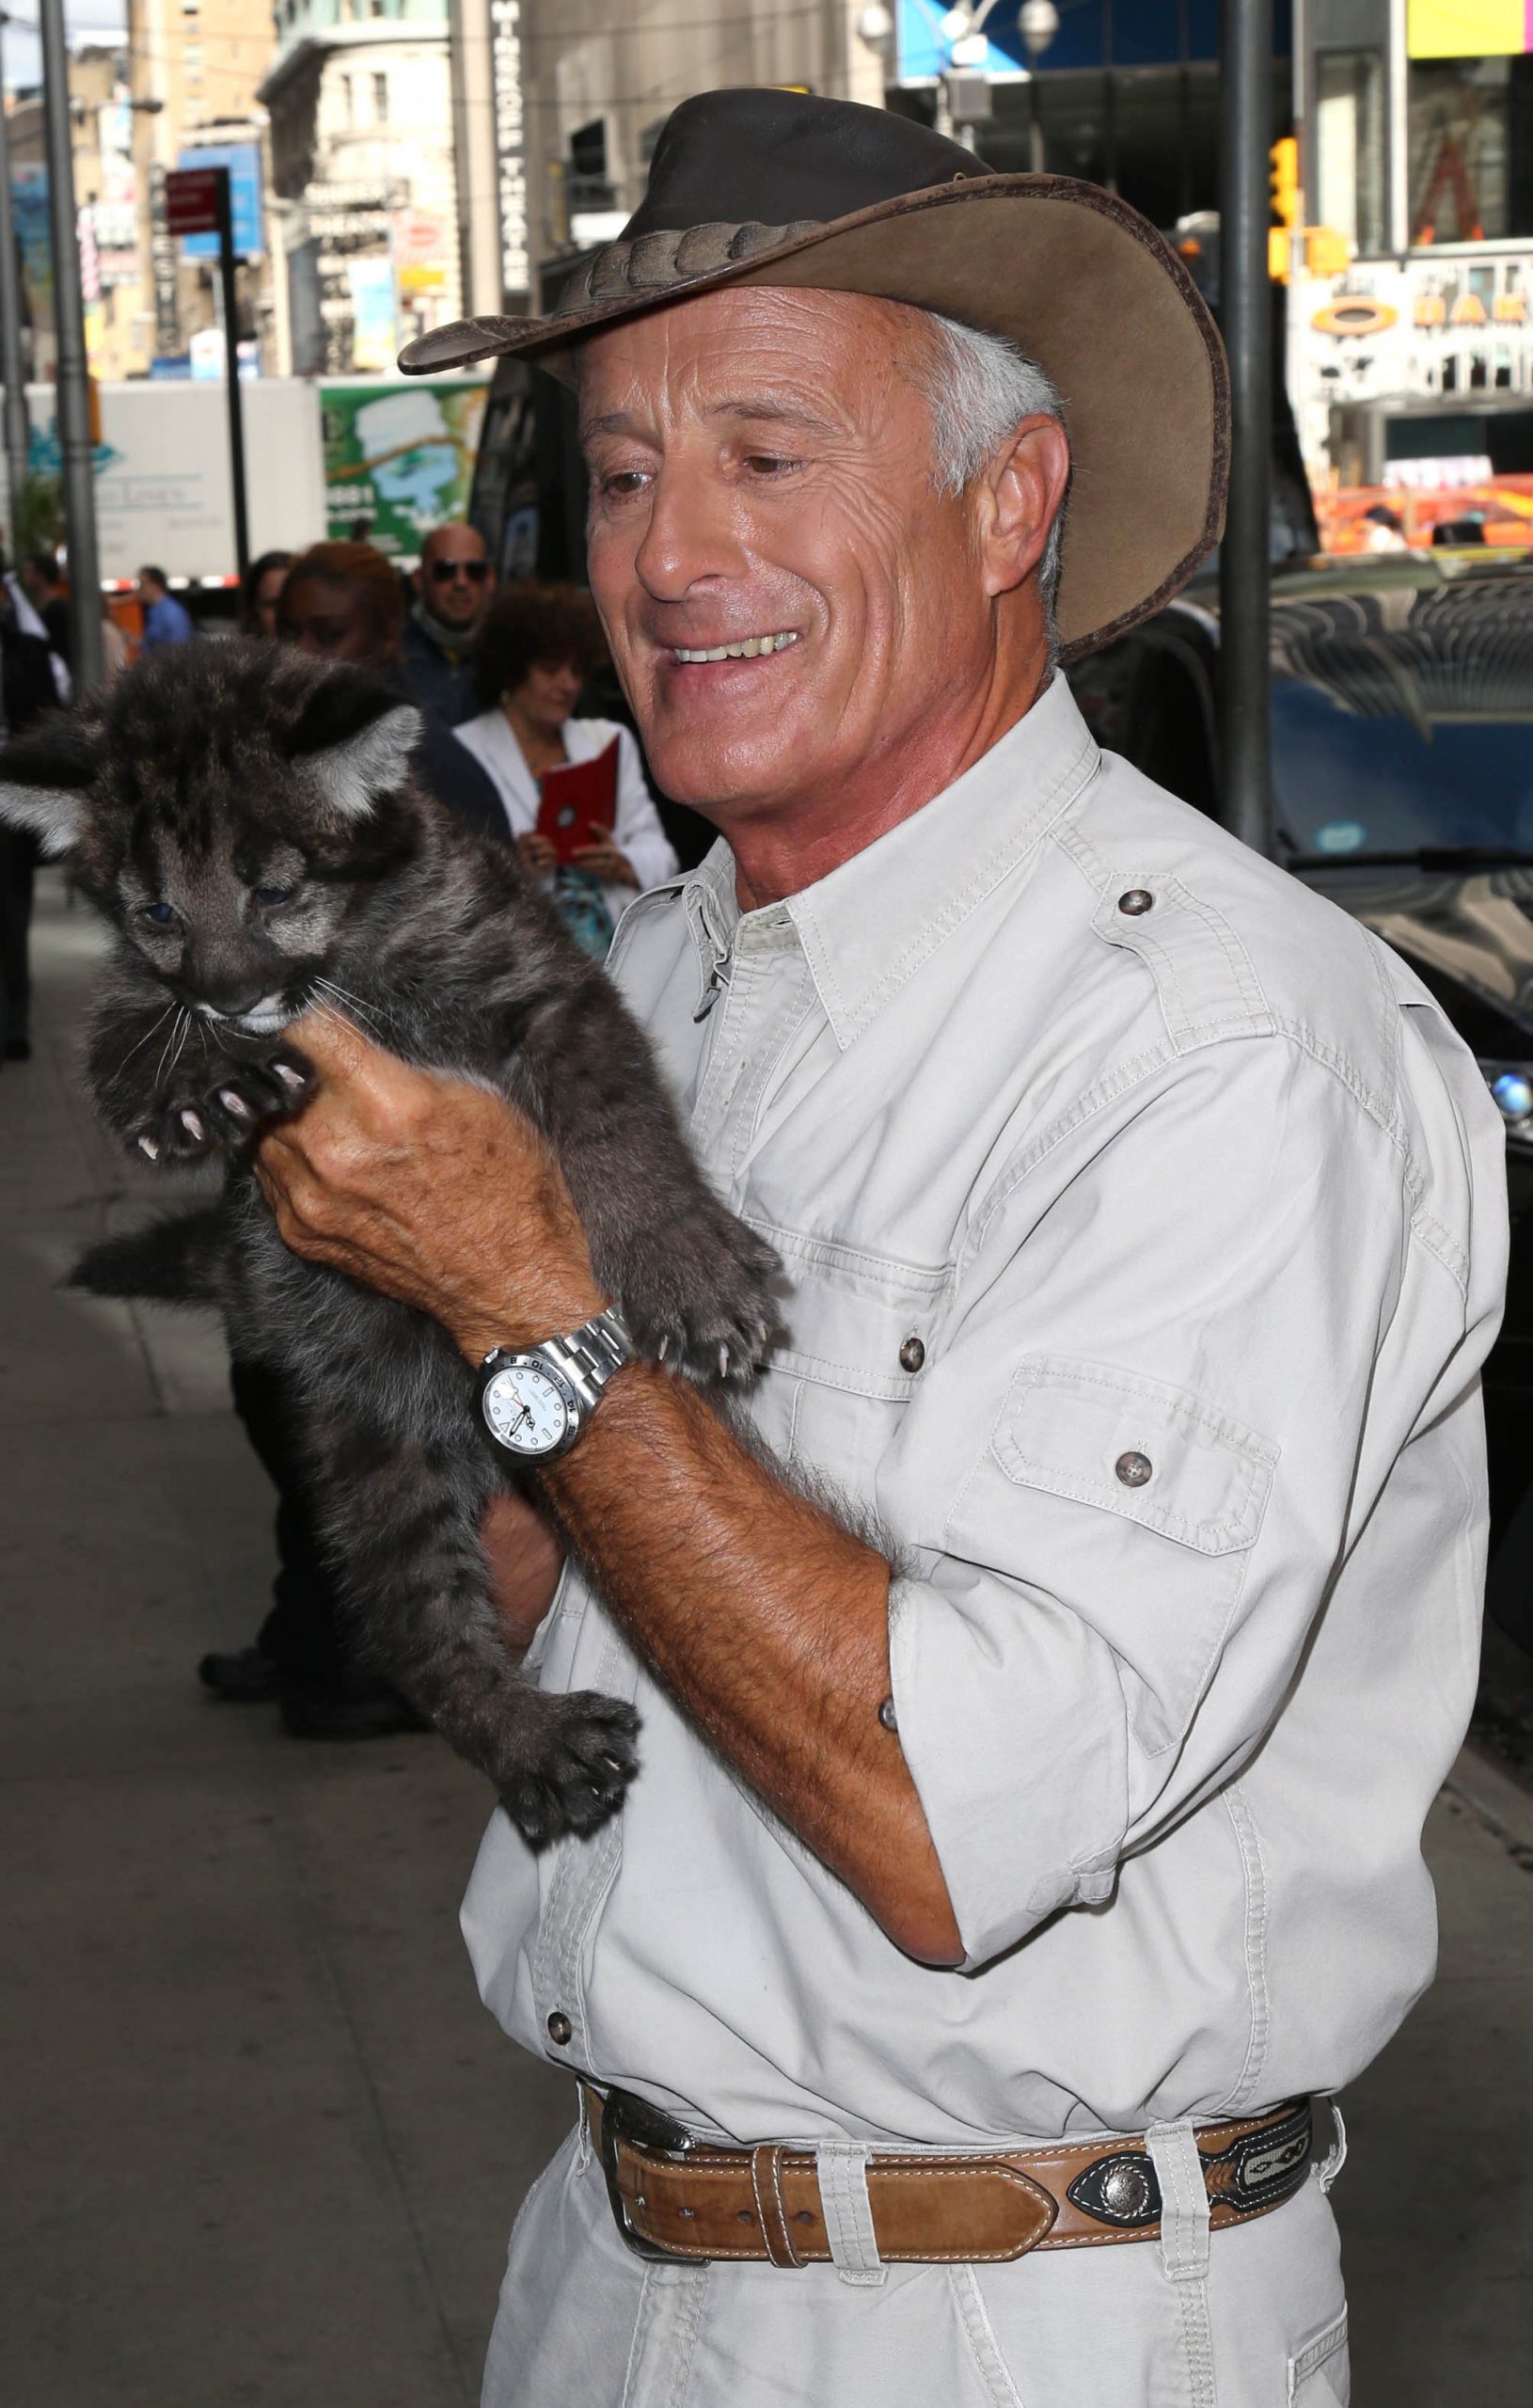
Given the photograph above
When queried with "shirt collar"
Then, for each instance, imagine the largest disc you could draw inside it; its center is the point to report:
(868, 927)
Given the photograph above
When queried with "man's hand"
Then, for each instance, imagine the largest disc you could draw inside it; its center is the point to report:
(430, 1190)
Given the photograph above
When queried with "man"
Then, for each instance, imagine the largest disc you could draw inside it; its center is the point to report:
(453, 585)
(166, 620)
(26, 690)
(44, 583)
(1038, 1726)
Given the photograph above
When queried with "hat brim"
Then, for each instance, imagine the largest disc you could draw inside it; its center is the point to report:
(1077, 281)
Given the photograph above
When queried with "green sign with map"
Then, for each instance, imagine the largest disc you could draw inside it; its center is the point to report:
(399, 458)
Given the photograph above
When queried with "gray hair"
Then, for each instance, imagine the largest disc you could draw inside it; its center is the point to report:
(979, 386)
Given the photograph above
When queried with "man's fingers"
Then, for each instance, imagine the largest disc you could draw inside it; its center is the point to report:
(337, 1047)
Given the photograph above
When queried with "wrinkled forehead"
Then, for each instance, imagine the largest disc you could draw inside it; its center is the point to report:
(838, 357)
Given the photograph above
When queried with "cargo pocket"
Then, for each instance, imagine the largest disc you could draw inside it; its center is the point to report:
(1174, 1494)
(858, 1326)
(1319, 2374)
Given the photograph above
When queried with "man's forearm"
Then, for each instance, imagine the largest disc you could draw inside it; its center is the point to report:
(769, 1623)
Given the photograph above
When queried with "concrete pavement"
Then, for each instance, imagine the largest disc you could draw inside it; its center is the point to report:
(264, 2145)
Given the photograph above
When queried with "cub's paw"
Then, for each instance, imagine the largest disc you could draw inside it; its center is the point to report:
(213, 1107)
(576, 1770)
(699, 1297)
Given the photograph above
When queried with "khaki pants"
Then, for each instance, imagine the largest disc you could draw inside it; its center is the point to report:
(1252, 2317)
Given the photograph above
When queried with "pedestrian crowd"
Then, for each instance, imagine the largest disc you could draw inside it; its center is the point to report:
(501, 680)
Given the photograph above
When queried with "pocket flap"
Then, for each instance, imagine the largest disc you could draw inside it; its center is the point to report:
(1136, 1446)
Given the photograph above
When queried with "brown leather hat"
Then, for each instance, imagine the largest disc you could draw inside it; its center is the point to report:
(769, 188)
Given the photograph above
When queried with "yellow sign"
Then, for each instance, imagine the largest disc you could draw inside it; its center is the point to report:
(1465, 28)
(1326, 251)
(422, 279)
(1353, 313)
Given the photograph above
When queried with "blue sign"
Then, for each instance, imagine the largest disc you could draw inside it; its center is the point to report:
(243, 160)
(1135, 33)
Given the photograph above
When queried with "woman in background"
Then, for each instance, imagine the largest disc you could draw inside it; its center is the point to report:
(261, 594)
(538, 646)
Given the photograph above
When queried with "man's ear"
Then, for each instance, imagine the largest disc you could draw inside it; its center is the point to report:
(353, 743)
(46, 778)
(1023, 494)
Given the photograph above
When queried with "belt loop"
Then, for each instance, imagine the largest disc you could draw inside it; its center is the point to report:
(843, 2170)
(1184, 2248)
(771, 2209)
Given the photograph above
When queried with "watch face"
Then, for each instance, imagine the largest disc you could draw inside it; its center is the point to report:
(525, 1410)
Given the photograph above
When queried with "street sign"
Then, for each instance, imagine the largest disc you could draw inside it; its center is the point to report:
(190, 199)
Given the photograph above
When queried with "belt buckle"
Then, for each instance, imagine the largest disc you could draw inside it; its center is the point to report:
(634, 2120)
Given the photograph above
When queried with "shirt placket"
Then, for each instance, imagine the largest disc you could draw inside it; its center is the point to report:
(759, 988)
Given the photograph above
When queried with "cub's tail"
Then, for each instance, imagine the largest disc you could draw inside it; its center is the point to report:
(176, 1262)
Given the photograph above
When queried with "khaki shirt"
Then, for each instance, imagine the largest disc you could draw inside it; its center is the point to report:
(1142, 1265)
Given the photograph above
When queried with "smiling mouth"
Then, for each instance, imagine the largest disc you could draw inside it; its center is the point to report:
(746, 648)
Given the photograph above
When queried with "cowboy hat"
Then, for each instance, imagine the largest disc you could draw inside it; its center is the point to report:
(778, 188)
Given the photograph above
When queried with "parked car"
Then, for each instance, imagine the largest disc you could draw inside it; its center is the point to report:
(1403, 772)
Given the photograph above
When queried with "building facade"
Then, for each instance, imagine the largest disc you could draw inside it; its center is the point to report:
(1410, 367)
(359, 96)
(194, 71)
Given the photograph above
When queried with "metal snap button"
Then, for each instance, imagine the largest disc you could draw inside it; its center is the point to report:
(911, 1354)
(1138, 898)
(1134, 1468)
(885, 1715)
(560, 2030)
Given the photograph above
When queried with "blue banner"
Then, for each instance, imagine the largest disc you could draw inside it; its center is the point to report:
(243, 160)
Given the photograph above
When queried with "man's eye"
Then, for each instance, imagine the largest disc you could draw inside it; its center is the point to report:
(270, 896)
(624, 480)
(161, 913)
(767, 464)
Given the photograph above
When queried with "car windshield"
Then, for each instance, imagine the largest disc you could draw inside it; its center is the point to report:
(1403, 720)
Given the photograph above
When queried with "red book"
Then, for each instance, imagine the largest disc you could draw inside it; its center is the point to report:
(577, 798)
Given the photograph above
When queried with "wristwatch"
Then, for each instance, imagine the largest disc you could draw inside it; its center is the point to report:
(535, 1404)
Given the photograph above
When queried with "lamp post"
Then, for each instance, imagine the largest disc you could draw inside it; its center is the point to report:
(18, 431)
(1245, 59)
(1038, 22)
(73, 375)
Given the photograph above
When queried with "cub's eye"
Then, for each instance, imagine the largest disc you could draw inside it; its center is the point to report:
(161, 913)
(270, 896)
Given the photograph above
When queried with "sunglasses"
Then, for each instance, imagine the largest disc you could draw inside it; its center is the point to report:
(442, 572)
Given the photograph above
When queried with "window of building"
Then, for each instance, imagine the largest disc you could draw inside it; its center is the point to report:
(191, 60)
(1471, 149)
(1350, 146)
(380, 100)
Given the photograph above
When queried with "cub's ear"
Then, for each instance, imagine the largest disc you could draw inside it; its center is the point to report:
(354, 744)
(46, 778)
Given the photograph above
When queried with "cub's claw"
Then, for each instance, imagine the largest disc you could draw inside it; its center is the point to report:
(578, 1769)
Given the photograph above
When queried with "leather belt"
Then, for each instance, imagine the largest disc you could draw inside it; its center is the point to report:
(677, 2198)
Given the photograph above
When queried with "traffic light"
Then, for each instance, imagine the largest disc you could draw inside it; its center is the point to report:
(1283, 188)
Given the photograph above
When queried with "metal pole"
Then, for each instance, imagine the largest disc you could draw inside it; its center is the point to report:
(69, 330)
(232, 371)
(18, 431)
(1246, 310)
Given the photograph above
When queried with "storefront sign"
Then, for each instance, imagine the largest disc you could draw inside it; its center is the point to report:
(510, 150)
(162, 263)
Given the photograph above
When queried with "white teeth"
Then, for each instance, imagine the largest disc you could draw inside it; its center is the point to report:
(748, 648)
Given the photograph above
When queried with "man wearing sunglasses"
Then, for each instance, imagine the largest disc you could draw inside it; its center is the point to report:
(453, 584)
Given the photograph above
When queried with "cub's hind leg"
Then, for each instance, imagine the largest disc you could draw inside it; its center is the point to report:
(404, 1519)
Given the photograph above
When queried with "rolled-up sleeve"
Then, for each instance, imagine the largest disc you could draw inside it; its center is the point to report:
(1185, 1358)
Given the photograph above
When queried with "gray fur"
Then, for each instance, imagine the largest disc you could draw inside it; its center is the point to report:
(211, 777)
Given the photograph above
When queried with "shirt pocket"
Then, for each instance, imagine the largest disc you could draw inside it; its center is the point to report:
(1185, 1488)
(857, 1327)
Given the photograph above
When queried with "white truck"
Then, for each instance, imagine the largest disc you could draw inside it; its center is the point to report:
(162, 491)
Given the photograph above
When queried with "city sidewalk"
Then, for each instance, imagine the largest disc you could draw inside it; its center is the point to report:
(264, 2145)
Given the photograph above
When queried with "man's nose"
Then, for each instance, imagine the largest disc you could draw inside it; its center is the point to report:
(690, 534)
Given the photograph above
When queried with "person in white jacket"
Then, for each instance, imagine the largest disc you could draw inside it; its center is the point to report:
(538, 645)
